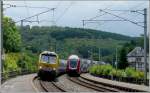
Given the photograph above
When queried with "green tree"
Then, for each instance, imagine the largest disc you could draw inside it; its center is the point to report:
(11, 36)
(122, 64)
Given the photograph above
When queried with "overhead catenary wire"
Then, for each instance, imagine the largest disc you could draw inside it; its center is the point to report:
(102, 14)
(67, 8)
(35, 15)
(122, 18)
(122, 13)
(99, 15)
(118, 16)
(15, 6)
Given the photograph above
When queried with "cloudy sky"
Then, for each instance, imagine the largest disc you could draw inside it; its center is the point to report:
(71, 13)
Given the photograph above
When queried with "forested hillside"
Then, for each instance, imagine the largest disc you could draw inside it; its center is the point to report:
(66, 41)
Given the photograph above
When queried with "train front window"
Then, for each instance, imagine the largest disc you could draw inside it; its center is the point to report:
(48, 58)
(73, 63)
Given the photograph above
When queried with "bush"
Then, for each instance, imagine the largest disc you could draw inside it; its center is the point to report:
(141, 74)
(100, 70)
(112, 72)
(18, 62)
(129, 71)
(123, 74)
(10, 62)
(106, 69)
(109, 70)
(92, 69)
(118, 73)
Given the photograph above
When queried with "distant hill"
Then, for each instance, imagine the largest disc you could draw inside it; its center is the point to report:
(66, 40)
(86, 33)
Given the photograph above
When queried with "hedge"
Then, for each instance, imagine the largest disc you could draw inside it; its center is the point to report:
(108, 70)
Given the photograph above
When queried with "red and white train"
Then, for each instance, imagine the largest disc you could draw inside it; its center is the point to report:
(73, 65)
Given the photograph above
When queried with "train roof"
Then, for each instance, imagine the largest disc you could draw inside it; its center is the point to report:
(73, 57)
(49, 52)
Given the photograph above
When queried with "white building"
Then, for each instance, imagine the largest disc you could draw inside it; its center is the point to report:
(136, 59)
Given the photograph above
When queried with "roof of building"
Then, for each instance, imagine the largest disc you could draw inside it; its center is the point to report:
(137, 51)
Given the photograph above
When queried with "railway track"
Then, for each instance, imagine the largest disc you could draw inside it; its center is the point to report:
(47, 86)
(79, 82)
(92, 85)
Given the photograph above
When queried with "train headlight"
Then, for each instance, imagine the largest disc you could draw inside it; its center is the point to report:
(54, 68)
(40, 67)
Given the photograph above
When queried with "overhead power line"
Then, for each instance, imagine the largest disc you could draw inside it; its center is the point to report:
(123, 12)
(97, 16)
(16, 6)
(35, 15)
(101, 14)
(64, 12)
(115, 15)
(121, 17)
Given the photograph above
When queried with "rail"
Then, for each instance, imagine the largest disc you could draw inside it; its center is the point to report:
(114, 84)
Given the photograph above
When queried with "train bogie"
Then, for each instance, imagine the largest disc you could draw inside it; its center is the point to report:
(47, 75)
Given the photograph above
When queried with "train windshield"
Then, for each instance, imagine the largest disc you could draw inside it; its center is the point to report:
(73, 63)
(48, 58)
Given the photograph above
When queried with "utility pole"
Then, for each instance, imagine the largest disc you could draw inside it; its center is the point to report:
(53, 19)
(83, 23)
(21, 29)
(99, 54)
(92, 55)
(55, 46)
(50, 44)
(116, 59)
(21, 24)
(145, 41)
(1, 39)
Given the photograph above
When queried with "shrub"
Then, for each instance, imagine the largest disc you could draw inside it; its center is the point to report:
(92, 69)
(107, 69)
(129, 71)
(10, 62)
(118, 73)
(123, 74)
(138, 74)
(18, 61)
(135, 75)
(112, 72)
(141, 74)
